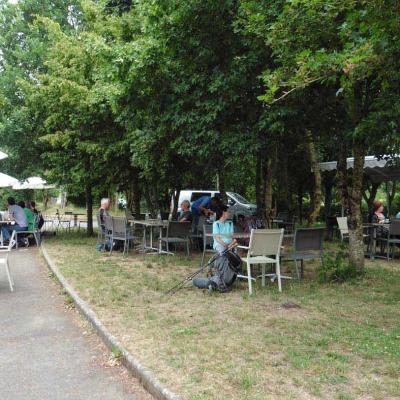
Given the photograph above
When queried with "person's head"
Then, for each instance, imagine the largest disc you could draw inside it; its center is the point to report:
(21, 204)
(224, 212)
(185, 205)
(11, 201)
(378, 206)
(215, 202)
(32, 204)
(105, 203)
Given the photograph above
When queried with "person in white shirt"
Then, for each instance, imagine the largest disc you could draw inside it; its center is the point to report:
(17, 215)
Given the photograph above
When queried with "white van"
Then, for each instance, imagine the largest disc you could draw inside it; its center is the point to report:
(237, 204)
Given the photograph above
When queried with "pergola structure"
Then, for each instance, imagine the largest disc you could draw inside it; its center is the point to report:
(378, 170)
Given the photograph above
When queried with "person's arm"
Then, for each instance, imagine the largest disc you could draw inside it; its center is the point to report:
(204, 206)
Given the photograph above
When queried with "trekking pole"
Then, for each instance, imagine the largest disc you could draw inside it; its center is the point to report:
(180, 285)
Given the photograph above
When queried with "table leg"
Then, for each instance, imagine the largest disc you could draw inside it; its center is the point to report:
(75, 221)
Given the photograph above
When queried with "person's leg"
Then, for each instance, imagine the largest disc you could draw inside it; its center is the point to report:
(6, 232)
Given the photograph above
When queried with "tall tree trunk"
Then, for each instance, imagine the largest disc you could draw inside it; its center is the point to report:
(370, 198)
(268, 178)
(300, 203)
(175, 197)
(89, 209)
(328, 184)
(133, 196)
(315, 170)
(258, 186)
(356, 248)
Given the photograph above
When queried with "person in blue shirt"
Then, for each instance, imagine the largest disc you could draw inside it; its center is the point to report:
(204, 205)
(223, 231)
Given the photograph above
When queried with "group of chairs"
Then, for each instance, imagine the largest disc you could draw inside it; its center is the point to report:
(265, 247)
(387, 242)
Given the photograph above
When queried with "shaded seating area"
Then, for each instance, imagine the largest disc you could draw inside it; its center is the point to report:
(177, 233)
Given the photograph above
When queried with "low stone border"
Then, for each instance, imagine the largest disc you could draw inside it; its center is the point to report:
(145, 376)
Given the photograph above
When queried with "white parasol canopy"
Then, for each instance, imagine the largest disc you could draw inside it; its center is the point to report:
(34, 182)
(3, 155)
(7, 180)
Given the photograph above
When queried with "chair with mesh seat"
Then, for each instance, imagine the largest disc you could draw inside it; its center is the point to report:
(393, 238)
(177, 232)
(4, 253)
(307, 245)
(120, 230)
(207, 240)
(264, 248)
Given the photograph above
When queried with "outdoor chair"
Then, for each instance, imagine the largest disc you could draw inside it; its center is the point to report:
(100, 231)
(177, 232)
(393, 237)
(35, 232)
(207, 240)
(343, 228)
(264, 248)
(63, 221)
(121, 230)
(288, 222)
(307, 245)
(4, 252)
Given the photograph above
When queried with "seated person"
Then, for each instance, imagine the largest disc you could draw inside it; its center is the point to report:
(185, 215)
(16, 214)
(223, 231)
(379, 218)
(398, 215)
(29, 215)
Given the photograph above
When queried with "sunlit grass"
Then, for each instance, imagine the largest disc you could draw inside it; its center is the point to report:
(343, 342)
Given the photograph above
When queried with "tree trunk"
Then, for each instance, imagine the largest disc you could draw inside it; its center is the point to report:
(356, 242)
(175, 195)
(258, 186)
(369, 199)
(315, 169)
(329, 182)
(268, 177)
(89, 209)
(133, 196)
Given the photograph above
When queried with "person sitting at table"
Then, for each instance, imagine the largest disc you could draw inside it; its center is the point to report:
(29, 215)
(17, 215)
(379, 218)
(185, 215)
(205, 205)
(398, 215)
(223, 231)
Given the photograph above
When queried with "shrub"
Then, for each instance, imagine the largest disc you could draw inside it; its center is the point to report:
(337, 268)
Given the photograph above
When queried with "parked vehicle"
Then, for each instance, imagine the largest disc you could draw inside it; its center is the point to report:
(238, 205)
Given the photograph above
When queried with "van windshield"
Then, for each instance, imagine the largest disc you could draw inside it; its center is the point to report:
(239, 198)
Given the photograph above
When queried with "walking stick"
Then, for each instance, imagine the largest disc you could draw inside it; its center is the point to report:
(181, 284)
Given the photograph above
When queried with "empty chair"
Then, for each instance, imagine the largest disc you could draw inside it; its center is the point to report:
(343, 227)
(393, 237)
(307, 245)
(264, 248)
(4, 252)
(177, 232)
(120, 231)
(207, 240)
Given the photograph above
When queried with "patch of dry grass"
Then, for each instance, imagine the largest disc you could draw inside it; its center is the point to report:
(342, 343)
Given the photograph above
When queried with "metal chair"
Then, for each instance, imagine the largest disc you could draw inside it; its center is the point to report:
(393, 237)
(207, 240)
(100, 231)
(121, 230)
(264, 248)
(4, 252)
(177, 232)
(308, 245)
(35, 232)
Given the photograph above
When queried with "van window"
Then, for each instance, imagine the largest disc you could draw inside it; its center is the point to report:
(197, 195)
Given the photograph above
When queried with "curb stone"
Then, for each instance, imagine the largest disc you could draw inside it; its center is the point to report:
(145, 376)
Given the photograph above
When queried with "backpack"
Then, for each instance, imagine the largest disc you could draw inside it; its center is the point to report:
(224, 271)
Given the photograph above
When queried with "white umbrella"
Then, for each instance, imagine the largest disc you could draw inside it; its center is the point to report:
(7, 180)
(3, 155)
(34, 182)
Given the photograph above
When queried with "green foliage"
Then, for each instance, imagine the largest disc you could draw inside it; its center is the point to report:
(337, 268)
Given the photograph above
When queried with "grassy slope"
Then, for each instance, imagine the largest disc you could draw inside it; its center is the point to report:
(342, 343)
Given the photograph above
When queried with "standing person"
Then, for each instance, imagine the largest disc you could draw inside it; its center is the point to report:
(185, 215)
(102, 213)
(205, 205)
(223, 231)
(17, 215)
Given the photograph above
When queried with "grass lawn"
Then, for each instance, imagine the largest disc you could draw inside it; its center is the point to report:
(341, 342)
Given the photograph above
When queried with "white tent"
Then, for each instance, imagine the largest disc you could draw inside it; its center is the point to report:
(3, 155)
(7, 180)
(34, 182)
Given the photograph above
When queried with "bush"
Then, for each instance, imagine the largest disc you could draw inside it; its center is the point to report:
(337, 268)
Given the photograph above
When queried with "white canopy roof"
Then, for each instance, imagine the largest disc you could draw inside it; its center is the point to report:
(3, 155)
(379, 170)
(34, 182)
(7, 180)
